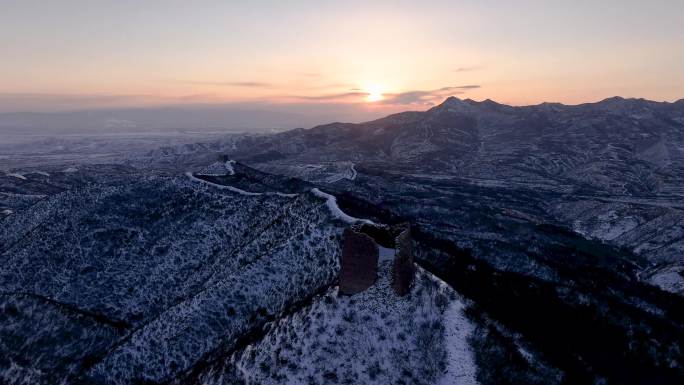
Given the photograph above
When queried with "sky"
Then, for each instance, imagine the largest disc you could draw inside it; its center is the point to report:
(362, 57)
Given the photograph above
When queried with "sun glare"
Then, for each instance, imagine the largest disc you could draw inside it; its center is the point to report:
(373, 94)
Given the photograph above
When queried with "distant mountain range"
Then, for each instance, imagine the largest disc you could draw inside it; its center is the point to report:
(616, 146)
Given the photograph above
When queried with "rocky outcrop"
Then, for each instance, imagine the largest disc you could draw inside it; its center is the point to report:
(359, 262)
(403, 269)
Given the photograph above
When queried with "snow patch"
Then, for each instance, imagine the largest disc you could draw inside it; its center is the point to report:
(13, 195)
(607, 227)
(578, 228)
(461, 368)
(354, 173)
(668, 279)
(17, 175)
(219, 169)
(331, 201)
(229, 167)
(349, 173)
(386, 254)
(529, 357)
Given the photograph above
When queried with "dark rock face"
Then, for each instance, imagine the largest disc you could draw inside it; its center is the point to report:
(403, 270)
(359, 262)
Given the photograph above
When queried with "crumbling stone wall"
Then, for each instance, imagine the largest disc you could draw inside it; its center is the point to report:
(360, 254)
(403, 270)
(359, 264)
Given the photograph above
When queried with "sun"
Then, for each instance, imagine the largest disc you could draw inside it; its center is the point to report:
(373, 94)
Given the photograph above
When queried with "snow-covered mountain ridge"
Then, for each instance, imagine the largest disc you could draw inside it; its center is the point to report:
(150, 279)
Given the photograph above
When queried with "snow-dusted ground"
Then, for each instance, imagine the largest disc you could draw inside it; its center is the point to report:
(386, 254)
(184, 268)
(318, 173)
(374, 337)
(668, 279)
(606, 226)
(354, 173)
(461, 368)
(17, 175)
(229, 167)
(219, 169)
(336, 172)
(650, 229)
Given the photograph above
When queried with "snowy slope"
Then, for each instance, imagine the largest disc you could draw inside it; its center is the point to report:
(374, 337)
(219, 168)
(164, 272)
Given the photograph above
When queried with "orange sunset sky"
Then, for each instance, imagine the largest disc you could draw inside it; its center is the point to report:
(374, 55)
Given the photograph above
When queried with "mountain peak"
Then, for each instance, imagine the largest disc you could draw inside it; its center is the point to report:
(613, 99)
(452, 101)
(455, 103)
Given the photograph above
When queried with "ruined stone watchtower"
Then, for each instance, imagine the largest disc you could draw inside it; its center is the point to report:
(359, 264)
(360, 255)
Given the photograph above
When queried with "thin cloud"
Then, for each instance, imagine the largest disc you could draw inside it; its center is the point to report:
(330, 97)
(309, 74)
(413, 97)
(469, 68)
(425, 97)
(247, 84)
(37, 102)
(330, 86)
(257, 84)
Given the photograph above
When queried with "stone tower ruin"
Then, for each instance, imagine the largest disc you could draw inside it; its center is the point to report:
(359, 264)
(360, 254)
